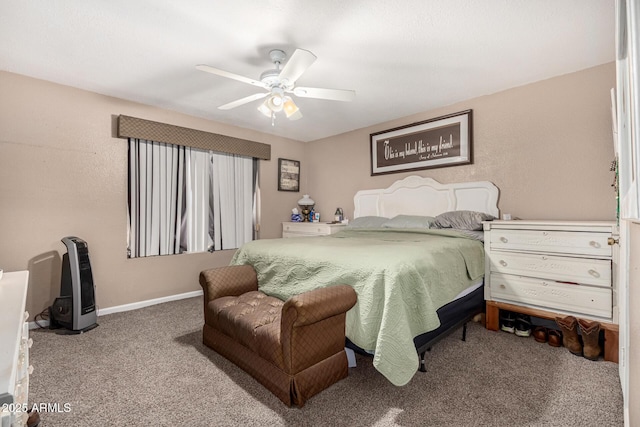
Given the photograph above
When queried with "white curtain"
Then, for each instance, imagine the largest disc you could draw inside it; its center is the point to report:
(232, 182)
(195, 221)
(188, 200)
(155, 186)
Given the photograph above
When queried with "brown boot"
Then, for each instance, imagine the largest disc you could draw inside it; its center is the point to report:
(590, 336)
(570, 339)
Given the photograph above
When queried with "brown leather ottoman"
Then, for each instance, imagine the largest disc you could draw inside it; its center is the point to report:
(295, 348)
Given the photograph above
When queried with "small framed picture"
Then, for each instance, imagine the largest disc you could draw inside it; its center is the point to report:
(288, 175)
(316, 217)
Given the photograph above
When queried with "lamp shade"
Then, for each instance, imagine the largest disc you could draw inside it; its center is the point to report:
(275, 102)
(264, 109)
(291, 109)
(306, 201)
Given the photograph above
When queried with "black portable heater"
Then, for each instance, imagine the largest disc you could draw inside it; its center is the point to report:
(75, 309)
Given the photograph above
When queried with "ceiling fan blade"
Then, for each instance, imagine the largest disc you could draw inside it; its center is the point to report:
(243, 101)
(296, 65)
(330, 94)
(219, 72)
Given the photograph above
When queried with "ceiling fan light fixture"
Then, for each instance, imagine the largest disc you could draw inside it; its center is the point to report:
(295, 116)
(290, 107)
(275, 103)
(264, 108)
(280, 81)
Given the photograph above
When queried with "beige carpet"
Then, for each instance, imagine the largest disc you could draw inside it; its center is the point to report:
(149, 368)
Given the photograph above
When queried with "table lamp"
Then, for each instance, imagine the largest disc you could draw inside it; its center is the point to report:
(306, 205)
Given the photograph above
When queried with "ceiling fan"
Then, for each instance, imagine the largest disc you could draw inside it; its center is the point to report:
(279, 83)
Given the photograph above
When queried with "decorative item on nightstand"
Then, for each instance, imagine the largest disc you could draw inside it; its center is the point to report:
(295, 215)
(306, 206)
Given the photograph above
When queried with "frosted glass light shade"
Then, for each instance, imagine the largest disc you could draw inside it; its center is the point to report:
(291, 109)
(264, 109)
(275, 103)
(306, 201)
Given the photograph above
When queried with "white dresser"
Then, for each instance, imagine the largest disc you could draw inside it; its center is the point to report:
(302, 229)
(14, 349)
(553, 268)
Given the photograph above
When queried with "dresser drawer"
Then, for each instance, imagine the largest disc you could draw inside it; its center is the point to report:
(561, 242)
(587, 271)
(551, 295)
(307, 229)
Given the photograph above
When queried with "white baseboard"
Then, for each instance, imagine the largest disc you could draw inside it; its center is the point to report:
(128, 307)
(40, 324)
(147, 303)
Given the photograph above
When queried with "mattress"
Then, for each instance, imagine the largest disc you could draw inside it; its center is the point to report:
(452, 315)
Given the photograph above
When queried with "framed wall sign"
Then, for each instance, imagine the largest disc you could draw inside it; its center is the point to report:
(288, 175)
(435, 143)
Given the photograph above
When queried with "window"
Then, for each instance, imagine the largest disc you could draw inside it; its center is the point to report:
(183, 199)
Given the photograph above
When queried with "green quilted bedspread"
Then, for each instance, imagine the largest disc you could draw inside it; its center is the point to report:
(401, 278)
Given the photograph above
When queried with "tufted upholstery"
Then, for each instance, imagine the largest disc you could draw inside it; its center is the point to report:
(294, 348)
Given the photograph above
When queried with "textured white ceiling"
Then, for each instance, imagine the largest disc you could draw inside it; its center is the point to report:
(401, 57)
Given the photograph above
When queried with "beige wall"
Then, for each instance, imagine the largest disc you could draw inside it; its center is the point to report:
(547, 146)
(62, 173)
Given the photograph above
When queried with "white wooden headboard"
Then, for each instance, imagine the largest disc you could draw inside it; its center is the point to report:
(416, 195)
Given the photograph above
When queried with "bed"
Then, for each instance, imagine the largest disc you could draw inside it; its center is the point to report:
(414, 283)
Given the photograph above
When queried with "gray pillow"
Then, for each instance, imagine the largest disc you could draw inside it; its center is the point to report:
(465, 220)
(409, 221)
(367, 222)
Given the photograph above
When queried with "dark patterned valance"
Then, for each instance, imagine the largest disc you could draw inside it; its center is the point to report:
(132, 127)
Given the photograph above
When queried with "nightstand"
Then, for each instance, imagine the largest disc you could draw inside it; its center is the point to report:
(307, 229)
(552, 269)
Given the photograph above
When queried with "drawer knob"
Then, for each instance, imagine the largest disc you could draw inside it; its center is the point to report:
(611, 241)
(503, 287)
(504, 239)
(594, 273)
(594, 244)
(503, 263)
(545, 284)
